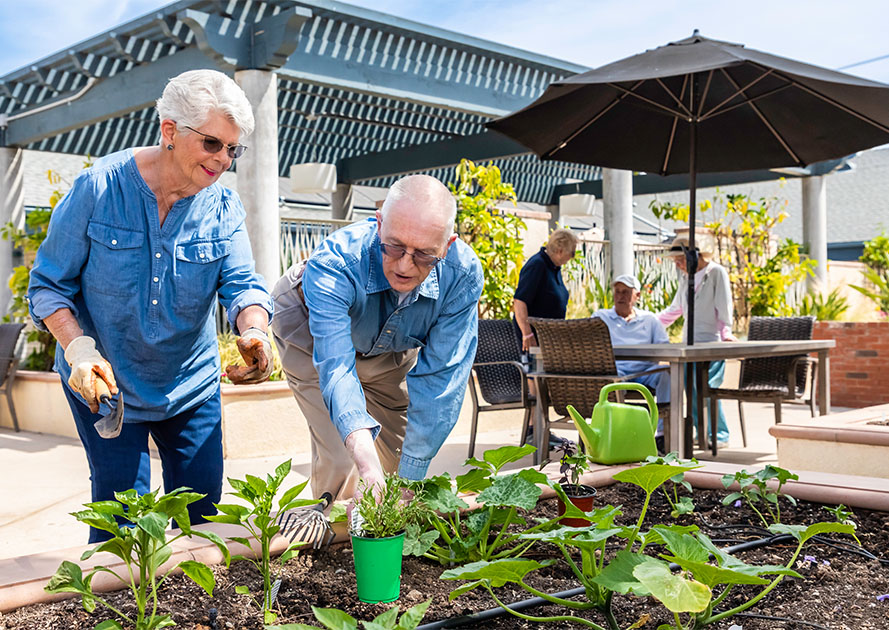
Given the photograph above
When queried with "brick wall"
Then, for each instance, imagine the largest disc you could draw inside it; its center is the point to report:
(859, 364)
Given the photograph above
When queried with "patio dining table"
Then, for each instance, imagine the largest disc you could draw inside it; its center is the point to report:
(678, 355)
(677, 435)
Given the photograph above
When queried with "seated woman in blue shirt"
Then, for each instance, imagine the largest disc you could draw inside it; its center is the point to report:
(127, 282)
(541, 292)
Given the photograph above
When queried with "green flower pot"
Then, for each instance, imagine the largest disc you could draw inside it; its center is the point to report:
(378, 567)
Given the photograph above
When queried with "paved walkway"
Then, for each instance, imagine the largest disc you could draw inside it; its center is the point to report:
(46, 477)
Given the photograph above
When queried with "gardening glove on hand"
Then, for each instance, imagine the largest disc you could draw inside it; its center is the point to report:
(256, 349)
(87, 369)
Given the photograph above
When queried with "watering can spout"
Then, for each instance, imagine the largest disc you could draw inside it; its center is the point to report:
(618, 433)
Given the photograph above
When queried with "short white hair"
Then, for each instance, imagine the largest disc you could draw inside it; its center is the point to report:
(425, 189)
(191, 97)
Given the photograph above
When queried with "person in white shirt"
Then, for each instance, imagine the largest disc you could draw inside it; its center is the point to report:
(713, 313)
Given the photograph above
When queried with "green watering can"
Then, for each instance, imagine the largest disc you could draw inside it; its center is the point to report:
(618, 433)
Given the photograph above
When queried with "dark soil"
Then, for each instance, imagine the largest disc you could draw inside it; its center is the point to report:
(839, 592)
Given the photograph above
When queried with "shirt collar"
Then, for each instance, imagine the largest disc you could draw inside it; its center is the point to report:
(376, 279)
(546, 259)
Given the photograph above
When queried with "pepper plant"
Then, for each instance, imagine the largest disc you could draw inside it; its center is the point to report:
(257, 518)
(754, 489)
(450, 537)
(693, 597)
(141, 543)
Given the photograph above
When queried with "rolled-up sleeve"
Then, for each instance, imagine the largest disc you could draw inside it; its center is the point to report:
(437, 384)
(329, 294)
(55, 277)
(239, 284)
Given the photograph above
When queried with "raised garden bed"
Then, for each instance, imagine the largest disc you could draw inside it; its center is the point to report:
(843, 594)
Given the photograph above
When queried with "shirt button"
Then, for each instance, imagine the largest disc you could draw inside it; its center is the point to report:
(201, 255)
(157, 255)
(114, 241)
(388, 332)
(154, 301)
(155, 279)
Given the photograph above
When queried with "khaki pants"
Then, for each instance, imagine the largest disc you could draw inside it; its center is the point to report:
(382, 379)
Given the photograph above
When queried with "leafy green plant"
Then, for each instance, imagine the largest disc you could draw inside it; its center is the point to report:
(831, 308)
(493, 234)
(141, 543)
(876, 257)
(679, 505)
(841, 513)
(754, 489)
(451, 537)
(708, 574)
(388, 512)
(335, 619)
(257, 518)
(572, 464)
(229, 355)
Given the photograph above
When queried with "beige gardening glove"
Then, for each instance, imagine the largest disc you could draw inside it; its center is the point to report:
(91, 375)
(256, 350)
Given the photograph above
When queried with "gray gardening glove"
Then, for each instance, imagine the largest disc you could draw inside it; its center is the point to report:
(91, 375)
(256, 349)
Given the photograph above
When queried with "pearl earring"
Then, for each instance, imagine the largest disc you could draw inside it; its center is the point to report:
(169, 147)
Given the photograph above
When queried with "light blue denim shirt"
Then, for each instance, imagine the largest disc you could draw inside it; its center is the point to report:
(644, 328)
(146, 293)
(353, 309)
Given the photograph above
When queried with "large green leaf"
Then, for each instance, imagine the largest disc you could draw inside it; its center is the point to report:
(67, 579)
(618, 575)
(109, 624)
(465, 588)
(654, 537)
(582, 538)
(499, 572)
(334, 619)
(99, 520)
(511, 491)
(499, 457)
(282, 470)
(442, 500)
(650, 476)
(676, 592)
(106, 507)
(803, 533)
(416, 543)
(388, 618)
(712, 575)
(475, 480)
(683, 545)
(119, 547)
(200, 574)
(413, 616)
(217, 540)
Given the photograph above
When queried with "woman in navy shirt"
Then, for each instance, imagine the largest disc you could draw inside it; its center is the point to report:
(541, 292)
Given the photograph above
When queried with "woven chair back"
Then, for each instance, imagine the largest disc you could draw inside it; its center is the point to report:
(771, 372)
(498, 341)
(575, 346)
(9, 336)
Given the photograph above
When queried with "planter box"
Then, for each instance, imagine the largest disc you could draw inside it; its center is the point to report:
(839, 443)
(859, 365)
(257, 420)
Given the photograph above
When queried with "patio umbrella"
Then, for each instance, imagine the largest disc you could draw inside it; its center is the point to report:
(701, 105)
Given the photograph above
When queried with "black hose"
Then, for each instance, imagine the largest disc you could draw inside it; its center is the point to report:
(783, 619)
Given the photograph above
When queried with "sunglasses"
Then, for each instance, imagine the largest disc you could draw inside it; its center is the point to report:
(215, 145)
(421, 260)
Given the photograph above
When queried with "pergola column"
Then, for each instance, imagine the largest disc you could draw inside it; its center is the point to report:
(258, 172)
(617, 200)
(12, 207)
(342, 203)
(815, 229)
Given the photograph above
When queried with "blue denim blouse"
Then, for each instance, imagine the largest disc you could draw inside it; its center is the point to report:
(353, 309)
(145, 292)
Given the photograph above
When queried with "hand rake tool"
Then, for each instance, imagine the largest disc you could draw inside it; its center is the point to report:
(309, 524)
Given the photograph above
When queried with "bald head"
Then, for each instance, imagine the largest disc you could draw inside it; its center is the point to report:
(427, 197)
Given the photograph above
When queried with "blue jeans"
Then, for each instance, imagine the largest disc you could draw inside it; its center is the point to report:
(715, 378)
(190, 447)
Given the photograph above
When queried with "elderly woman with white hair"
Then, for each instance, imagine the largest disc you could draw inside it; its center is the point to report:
(713, 312)
(127, 281)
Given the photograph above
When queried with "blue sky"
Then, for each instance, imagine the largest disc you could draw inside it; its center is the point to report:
(588, 32)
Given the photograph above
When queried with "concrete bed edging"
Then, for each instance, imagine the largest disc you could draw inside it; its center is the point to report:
(22, 579)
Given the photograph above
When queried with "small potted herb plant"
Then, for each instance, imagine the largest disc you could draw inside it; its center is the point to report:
(379, 520)
(573, 464)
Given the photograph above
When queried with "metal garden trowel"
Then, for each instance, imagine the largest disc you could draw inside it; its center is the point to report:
(109, 426)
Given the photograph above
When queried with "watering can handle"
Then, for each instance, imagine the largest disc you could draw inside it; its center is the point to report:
(639, 387)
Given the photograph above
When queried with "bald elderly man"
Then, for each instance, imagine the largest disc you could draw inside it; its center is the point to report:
(377, 332)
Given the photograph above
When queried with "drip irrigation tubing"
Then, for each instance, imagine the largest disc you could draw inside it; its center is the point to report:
(484, 615)
(800, 622)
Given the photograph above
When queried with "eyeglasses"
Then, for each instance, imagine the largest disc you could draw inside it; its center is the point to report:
(420, 259)
(215, 145)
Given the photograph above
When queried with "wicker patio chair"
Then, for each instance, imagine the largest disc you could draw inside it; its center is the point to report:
(9, 337)
(578, 361)
(498, 376)
(772, 379)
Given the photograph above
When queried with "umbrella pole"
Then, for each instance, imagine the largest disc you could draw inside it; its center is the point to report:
(691, 264)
